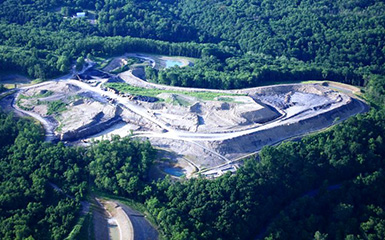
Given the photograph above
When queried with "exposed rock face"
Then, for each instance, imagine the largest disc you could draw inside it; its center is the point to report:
(88, 130)
(75, 113)
(224, 106)
(223, 113)
(248, 121)
(257, 116)
(92, 73)
(87, 119)
(196, 108)
(243, 145)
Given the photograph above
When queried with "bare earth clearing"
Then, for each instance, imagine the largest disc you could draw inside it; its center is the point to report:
(207, 133)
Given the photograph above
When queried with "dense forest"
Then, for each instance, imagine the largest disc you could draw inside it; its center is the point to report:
(242, 43)
(325, 186)
(32, 171)
(328, 184)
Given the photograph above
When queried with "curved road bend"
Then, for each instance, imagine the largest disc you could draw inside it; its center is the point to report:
(48, 127)
(143, 230)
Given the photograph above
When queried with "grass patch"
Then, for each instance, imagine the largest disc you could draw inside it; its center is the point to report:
(178, 101)
(33, 102)
(225, 99)
(55, 107)
(8, 86)
(43, 95)
(121, 69)
(104, 64)
(19, 103)
(126, 67)
(98, 60)
(59, 128)
(291, 82)
(39, 95)
(80, 231)
(101, 62)
(36, 81)
(76, 97)
(208, 96)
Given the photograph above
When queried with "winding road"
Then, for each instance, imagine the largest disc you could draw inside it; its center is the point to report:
(167, 131)
(143, 230)
(170, 132)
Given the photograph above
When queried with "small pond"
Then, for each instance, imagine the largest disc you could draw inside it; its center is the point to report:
(173, 63)
(177, 172)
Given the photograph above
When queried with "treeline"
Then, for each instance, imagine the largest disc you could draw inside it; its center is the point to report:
(44, 54)
(326, 186)
(250, 71)
(272, 40)
(31, 207)
(336, 168)
(145, 19)
(37, 38)
(337, 33)
(241, 206)
(355, 210)
(376, 90)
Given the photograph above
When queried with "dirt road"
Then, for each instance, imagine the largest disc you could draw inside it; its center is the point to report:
(48, 126)
(143, 230)
(163, 130)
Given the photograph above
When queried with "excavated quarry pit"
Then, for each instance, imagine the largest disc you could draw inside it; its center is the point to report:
(78, 113)
(205, 134)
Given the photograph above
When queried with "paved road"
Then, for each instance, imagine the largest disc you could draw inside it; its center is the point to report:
(143, 230)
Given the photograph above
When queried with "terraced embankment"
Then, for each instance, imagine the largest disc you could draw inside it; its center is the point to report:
(205, 127)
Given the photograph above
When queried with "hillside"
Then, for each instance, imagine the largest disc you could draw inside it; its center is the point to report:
(325, 185)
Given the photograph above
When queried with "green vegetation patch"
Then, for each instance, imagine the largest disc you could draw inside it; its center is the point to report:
(101, 62)
(80, 231)
(20, 103)
(121, 69)
(41, 94)
(207, 96)
(126, 67)
(55, 107)
(178, 101)
(36, 81)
